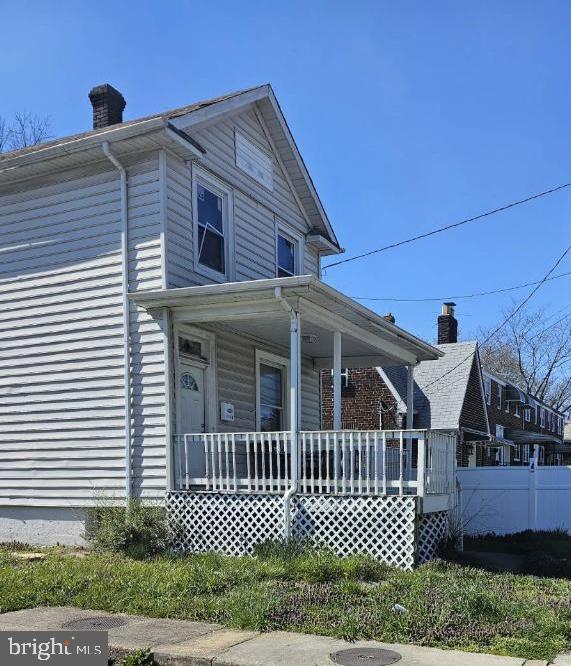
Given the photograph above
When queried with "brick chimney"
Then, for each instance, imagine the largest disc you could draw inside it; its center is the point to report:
(108, 104)
(447, 325)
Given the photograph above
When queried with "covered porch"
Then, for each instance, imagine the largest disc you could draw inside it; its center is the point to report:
(297, 327)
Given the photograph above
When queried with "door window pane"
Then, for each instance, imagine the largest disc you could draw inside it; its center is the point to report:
(286, 257)
(210, 229)
(270, 419)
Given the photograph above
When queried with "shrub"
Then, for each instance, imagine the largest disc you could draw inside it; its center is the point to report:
(138, 658)
(136, 530)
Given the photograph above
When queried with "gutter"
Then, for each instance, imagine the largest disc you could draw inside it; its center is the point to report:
(126, 323)
(294, 406)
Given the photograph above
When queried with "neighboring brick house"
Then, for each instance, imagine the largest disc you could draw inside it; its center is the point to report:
(366, 402)
(448, 393)
(496, 422)
(524, 425)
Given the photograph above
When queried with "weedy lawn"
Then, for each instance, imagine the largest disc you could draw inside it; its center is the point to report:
(447, 605)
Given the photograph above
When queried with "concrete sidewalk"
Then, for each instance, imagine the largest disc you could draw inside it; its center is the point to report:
(179, 643)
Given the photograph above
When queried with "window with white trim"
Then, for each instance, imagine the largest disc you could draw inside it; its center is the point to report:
(271, 392)
(542, 417)
(500, 395)
(526, 453)
(344, 377)
(212, 207)
(289, 252)
(517, 409)
(501, 455)
(517, 453)
(499, 431)
(527, 414)
(488, 390)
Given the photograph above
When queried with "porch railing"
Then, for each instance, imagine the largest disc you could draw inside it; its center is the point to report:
(358, 462)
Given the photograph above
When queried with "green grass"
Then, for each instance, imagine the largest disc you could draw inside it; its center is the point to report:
(296, 590)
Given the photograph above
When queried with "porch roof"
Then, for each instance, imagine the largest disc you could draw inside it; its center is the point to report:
(256, 307)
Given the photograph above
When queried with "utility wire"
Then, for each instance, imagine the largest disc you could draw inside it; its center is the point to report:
(451, 226)
(506, 320)
(444, 298)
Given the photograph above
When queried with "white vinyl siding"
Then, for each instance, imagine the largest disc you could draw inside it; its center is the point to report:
(147, 341)
(236, 379)
(62, 436)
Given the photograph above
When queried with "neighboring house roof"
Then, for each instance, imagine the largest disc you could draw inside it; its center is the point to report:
(14, 164)
(437, 404)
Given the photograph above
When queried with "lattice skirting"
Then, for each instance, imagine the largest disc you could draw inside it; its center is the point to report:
(432, 529)
(383, 527)
(225, 523)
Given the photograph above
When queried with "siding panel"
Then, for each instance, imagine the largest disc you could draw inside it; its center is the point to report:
(62, 435)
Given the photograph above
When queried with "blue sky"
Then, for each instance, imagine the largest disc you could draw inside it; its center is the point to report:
(409, 115)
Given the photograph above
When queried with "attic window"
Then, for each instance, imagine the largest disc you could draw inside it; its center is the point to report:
(254, 161)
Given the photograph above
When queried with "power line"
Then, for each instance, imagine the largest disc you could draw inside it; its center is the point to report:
(451, 226)
(444, 298)
(506, 320)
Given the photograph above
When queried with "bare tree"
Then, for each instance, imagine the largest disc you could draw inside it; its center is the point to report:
(4, 135)
(533, 353)
(25, 130)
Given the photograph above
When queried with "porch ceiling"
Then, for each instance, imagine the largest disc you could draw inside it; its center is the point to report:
(259, 308)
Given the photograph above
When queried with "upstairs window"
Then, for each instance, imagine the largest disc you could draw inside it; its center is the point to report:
(500, 395)
(210, 229)
(542, 417)
(289, 248)
(286, 257)
(527, 414)
(212, 210)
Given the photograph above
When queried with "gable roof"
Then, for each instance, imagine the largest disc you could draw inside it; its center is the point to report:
(438, 402)
(262, 96)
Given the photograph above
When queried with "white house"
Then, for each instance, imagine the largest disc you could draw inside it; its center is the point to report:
(163, 326)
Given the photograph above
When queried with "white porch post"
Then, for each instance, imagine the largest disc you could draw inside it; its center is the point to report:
(294, 413)
(409, 418)
(337, 380)
(295, 392)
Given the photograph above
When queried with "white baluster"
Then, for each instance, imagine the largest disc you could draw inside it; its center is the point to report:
(234, 478)
(401, 471)
(248, 465)
(384, 461)
(352, 462)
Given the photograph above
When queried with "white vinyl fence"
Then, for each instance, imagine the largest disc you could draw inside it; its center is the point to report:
(505, 500)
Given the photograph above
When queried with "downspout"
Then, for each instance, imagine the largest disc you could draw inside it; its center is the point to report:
(126, 328)
(294, 407)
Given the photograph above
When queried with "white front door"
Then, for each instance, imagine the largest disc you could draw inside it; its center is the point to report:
(191, 414)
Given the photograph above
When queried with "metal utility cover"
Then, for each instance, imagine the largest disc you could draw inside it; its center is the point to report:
(99, 623)
(365, 657)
